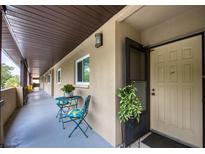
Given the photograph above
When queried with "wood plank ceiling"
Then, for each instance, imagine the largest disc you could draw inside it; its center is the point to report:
(9, 46)
(45, 34)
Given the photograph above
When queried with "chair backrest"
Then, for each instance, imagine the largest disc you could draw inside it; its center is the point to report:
(86, 105)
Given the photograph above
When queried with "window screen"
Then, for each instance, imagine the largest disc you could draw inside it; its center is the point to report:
(80, 67)
(59, 76)
(83, 70)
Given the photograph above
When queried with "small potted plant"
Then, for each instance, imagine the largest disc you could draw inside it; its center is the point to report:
(68, 90)
(130, 108)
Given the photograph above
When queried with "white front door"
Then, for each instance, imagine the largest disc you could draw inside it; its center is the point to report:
(176, 90)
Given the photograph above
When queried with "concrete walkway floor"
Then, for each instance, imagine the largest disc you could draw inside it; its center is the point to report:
(35, 126)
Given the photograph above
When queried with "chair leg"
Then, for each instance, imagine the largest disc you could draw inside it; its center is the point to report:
(87, 124)
(60, 117)
(78, 125)
(84, 132)
(58, 113)
(63, 123)
(76, 103)
(75, 127)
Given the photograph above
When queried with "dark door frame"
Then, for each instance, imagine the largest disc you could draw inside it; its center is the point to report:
(203, 72)
(142, 128)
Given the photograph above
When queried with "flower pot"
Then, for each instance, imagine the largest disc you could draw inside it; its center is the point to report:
(68, 94)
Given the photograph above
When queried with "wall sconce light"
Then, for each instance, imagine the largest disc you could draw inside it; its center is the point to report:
(98, 40)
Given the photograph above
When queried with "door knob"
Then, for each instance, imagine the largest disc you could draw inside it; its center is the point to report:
(153, 94)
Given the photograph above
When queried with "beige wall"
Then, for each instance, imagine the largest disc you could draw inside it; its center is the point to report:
(41, 80)
(102, 80)
(48, 85)
(13, 98)
(182, 24)
(123, 30)
(9, 96)
(106, 74)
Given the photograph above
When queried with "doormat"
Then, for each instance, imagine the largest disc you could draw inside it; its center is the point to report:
(157, 141)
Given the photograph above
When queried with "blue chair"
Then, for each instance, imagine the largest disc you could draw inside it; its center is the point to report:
(78, 116)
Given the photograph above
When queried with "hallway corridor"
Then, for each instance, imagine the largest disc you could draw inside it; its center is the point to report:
(35, 126)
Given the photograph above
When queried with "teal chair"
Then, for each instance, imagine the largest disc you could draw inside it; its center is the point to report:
(65, 104)
(78, 116)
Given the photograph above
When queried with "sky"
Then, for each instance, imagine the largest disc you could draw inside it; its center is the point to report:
(8, 61)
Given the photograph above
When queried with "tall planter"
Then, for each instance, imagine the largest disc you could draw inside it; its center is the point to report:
(130, 111)
(127, 131)
(132, 129)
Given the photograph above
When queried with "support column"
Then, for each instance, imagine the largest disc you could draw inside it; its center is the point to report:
(24, 80)
(1, 101)
(30, 79)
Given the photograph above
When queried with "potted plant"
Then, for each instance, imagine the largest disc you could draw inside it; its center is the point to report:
(68, 90)
(130, 108)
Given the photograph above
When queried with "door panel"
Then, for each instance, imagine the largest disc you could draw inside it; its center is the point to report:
(176, 77)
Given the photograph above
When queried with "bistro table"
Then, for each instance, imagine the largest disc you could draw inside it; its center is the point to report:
(66, 102)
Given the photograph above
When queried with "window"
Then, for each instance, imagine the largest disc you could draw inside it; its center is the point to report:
(58, 76)
(49, 78)
(82, 70)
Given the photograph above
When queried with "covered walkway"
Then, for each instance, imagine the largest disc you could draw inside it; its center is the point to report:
(35, 126)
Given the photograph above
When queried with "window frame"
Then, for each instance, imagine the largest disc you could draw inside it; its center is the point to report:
(76, 71)
(59, 70)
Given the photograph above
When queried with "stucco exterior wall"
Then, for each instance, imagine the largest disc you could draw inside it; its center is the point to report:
(9, 96)
(48, 85)
(123, 30)
(13, 98)
(102, 80)
(182, 24)
(107, 74)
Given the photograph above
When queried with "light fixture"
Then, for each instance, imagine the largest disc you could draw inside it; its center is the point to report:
(98, 40)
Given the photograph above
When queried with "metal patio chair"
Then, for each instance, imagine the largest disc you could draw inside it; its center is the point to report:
(65, 105)
(78, 116)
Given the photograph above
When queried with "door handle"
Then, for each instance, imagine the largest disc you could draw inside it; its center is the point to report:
(153, 94)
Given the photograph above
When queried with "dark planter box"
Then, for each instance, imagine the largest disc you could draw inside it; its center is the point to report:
(132, 130)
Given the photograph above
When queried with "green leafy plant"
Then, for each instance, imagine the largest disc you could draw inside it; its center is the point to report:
(68, 88)
(130, 103)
